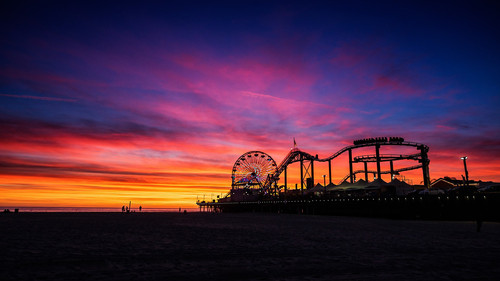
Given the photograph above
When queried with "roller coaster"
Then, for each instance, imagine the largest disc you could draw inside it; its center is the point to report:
(257, 169)
(255, 187)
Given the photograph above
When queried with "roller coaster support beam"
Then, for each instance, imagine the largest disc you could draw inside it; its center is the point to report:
(312, 173)
(301, 174)
(351, 178)
(330, 170)
(392, 171)
(285, 178)
(425, 166)
(366, 171)
(377, 151)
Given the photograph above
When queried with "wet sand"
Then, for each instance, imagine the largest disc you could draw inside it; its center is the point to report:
(204, 246)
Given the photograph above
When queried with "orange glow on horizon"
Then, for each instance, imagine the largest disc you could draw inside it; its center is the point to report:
(150, 183)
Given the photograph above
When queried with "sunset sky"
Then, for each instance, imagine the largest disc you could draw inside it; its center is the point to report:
(101, 104)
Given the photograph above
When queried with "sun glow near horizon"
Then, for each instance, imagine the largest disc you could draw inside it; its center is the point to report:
(45, 186)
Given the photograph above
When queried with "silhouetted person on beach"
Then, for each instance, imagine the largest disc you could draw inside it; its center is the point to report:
(140, 208)
(123, 209)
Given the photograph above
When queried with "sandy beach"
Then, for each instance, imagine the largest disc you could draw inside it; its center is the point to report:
(205, 246)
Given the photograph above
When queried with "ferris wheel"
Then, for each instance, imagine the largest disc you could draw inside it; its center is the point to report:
(251, 169)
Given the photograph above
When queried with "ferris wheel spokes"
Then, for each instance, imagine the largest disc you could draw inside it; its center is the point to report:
(252, 169)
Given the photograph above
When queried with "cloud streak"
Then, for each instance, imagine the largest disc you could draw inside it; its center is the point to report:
(38, 98)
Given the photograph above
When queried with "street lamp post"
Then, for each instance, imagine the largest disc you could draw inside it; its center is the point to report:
(466, 172)
(324, 182)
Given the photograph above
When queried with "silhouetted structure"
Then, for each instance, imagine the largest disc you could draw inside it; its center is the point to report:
(255, 187)
(257, 169)
(465, 169)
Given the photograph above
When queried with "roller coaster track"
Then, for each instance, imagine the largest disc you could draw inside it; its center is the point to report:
(293, 156)
(382, 172)
(296, 155)
(387, 157)
(404, 143)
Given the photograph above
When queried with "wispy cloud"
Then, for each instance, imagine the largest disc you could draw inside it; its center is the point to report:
(39, 98)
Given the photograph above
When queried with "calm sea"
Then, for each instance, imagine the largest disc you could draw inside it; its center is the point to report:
(92, 209)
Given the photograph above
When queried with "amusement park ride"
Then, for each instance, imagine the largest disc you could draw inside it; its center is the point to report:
(255, 188)
(256, 172)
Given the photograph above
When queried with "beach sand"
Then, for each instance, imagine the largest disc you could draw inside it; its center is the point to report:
(206, 246)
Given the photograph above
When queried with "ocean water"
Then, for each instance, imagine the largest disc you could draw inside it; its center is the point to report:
(93, 209)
